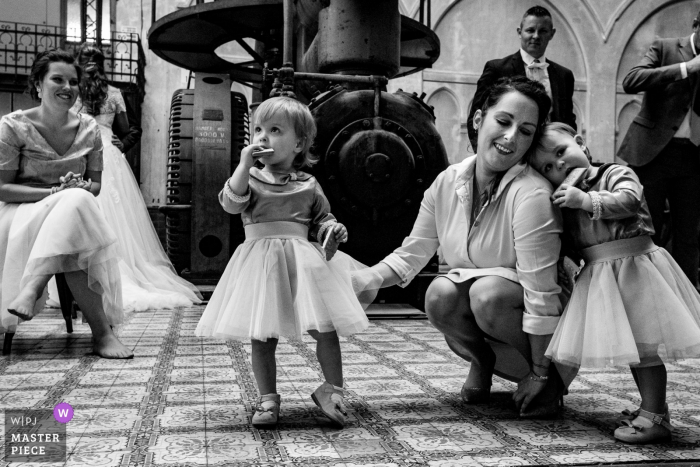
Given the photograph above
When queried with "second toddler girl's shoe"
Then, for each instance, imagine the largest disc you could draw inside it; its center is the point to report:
(267, 411)
(632, 414)
(637, 431)
(329, 399)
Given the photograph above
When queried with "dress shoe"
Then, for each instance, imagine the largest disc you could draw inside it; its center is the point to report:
(634, 432)
(329, 399)
(267, 411)
(632, 414)
(476, 395)
(547, 405)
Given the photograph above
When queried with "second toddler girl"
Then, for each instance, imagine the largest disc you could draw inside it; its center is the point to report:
(278, 283)
(631, 303)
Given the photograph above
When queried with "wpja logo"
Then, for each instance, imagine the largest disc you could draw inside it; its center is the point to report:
(37, 435)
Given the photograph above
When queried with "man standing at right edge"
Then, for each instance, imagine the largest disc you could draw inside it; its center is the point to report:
(662, 143)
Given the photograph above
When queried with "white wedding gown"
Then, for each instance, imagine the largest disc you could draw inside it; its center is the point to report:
(149, 280)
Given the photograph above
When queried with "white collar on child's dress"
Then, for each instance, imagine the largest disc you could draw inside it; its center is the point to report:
(276, 178)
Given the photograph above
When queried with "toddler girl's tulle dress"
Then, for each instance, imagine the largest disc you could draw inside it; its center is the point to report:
(278, 282)
(631, 301)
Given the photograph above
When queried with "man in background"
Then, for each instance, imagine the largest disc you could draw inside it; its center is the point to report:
(535, 31)
(662, 142)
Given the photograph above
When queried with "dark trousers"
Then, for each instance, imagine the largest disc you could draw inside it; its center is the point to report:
(675, 175)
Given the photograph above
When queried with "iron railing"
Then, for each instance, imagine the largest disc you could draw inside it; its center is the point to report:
(20, 42)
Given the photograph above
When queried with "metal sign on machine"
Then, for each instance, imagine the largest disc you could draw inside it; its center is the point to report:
(212, 135)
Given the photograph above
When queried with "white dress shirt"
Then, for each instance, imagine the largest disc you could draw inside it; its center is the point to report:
(684, 128)
(515, 236)
(537, 74)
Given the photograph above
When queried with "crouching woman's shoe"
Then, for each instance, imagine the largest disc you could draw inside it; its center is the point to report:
(647, 428)
(547, 404)
(267, 411)
(474, 396)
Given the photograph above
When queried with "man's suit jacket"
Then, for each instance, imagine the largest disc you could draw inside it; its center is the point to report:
(561, 80)
(667, 99)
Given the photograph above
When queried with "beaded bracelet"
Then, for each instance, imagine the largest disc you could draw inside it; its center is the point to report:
(597, 205)
(538, 378)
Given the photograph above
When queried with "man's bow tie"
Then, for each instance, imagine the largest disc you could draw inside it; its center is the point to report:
(542, 66)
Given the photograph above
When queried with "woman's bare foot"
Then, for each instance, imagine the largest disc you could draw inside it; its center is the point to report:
(23, 305)
(110, 347)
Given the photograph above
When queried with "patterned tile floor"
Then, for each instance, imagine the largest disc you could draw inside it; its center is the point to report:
(187, 401)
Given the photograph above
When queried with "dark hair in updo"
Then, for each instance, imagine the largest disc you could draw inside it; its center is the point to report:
(41, 64)
(528, 88)
(94, 83)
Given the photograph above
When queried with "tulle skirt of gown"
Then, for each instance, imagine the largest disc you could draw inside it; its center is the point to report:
(631, 302)
(64, 232)
(279, 284)
(149, 280)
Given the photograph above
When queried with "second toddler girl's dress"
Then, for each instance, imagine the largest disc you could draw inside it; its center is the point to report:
(278, 283)
(631, 300)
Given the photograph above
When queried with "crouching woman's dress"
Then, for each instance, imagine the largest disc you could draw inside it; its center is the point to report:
(63, 232)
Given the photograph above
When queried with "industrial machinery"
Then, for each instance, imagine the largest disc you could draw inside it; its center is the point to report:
(378, 151)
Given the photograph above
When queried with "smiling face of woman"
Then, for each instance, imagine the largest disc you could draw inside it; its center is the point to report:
(506, 131)
(59, 87)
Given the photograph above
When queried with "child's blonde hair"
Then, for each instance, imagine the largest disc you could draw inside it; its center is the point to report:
(301, 118)
(564, 129)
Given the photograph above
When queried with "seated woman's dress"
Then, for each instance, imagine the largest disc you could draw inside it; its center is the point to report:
(61, 233)
(148, 277)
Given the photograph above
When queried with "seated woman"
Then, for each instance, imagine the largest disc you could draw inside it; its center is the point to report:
(499, 234)
(50, 222)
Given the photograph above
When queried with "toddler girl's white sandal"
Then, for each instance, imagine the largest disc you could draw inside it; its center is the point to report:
(632, 414)
(329, 399)
(267, 411)
(632, 432)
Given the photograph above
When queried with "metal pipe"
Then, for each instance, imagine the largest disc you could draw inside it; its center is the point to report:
(153, 11)
(288, 14)
(382, 80)
(83, 22)
(429, 22)
(420, 11)
(98, 23)
(377, 100)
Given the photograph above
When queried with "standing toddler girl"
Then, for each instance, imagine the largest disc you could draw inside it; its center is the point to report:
(278, 283)
(631, 304)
